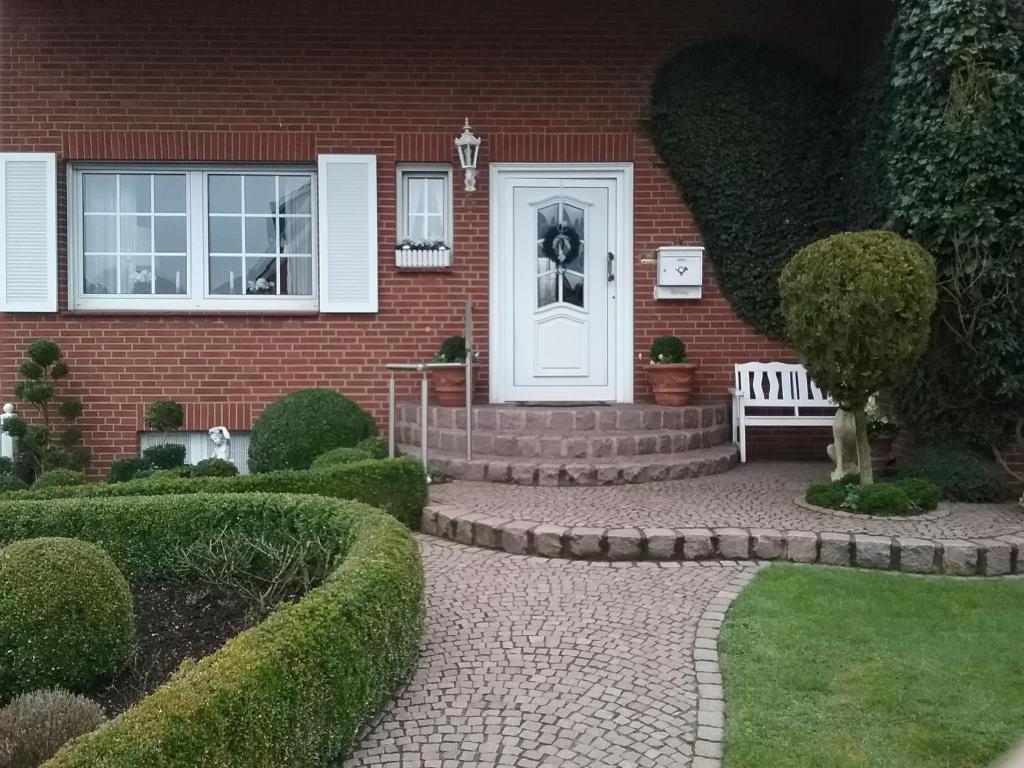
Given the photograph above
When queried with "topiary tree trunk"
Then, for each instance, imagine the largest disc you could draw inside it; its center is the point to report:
(867, 475)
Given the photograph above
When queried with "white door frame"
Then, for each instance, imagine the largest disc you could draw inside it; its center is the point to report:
(501, 309)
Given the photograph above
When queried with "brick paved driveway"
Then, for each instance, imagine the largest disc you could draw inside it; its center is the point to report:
(531, 662)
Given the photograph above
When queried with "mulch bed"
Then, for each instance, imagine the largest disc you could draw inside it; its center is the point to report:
(174, 622)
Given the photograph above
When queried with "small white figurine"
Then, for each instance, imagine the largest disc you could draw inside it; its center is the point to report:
(221, 439)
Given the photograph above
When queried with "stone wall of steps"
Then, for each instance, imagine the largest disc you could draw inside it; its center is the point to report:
(567, 445)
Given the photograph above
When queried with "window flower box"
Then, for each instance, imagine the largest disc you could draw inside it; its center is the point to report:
(414, 255)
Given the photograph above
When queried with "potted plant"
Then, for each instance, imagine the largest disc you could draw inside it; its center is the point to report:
(882, 432)
(670, 371)
(449, 384)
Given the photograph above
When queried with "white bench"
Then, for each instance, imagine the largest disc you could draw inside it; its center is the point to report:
(774, 394)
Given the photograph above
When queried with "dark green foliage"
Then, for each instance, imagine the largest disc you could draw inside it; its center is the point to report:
(397, 486)
(11, 482)
(164, 415)
(164, 456)
(377, 447)
(668, 349)
(40, 445)
(294, 691)
(298, 427)
(123, 470)
(960, 473)
(66, 616)
(453, 350)
(340, 456)
(946, 155)
(6, 466)
(214, 467)
(35, 725)
(882, 499)
(754, 138)
(858, 306)
(54, 477)
(923, 494)
(908, 496)
(830, 495)
(183, 470)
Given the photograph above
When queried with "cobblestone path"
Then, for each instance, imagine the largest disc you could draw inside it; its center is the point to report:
(530, 662)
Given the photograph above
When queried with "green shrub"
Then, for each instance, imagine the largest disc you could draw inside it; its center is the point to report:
(883, 499)
(924, 495)
(830, 495)
(398, 486)
(164, 415)
(65, 616)
(59, 477)
(960, 474)
(214, 467)
(9, 482)
(292, 692)
(165, 456)
(377, 447)
(668, 349)
(123, 470)
(453, 350)
(35, 725)
(165, 474)
(6, 466)
(751, 135)
(300, 426)
(340, 456)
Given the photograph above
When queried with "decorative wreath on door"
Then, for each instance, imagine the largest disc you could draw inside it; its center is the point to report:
(561, 244)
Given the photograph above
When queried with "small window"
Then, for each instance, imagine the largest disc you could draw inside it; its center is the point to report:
(424, 204)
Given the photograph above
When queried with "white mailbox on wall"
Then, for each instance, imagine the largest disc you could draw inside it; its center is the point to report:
(680, 272)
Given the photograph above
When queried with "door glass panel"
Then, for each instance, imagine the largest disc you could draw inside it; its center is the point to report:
(547, 289)
(572, 289)
(560, 259)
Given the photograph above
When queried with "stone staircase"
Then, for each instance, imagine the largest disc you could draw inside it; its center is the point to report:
(573, 445)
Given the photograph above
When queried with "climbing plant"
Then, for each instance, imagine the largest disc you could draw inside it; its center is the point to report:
(757, 142)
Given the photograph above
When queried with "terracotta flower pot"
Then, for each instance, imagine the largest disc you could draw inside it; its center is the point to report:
(672, 382)
(448, 386)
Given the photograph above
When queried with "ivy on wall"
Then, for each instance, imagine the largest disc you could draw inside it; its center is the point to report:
(756, 141)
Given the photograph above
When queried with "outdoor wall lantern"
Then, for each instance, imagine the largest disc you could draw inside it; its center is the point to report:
(468, 147)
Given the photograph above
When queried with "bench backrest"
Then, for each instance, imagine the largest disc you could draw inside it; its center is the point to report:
(779, 385)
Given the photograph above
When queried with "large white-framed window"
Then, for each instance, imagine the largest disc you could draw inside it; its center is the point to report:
(192, 237)
(425, 203)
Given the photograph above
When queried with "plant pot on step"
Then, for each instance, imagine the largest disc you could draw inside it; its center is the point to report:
(449, 386)
(671, 382)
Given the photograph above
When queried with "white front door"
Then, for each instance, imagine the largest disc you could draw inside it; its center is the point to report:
(557, 267)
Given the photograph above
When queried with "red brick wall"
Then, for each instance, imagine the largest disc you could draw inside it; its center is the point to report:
(271, 81)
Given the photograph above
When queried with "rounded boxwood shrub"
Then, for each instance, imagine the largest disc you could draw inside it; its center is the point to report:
(35, 725)
(300, 426)
(960, 473)
(214, 467)
(9, 482)
(55, 477)
(340, 456)
(377, 447)
(165, 456)
(123, 470)
(66, 616)
(883, 499)
(164, 415)
(923, 494)
(668, 349)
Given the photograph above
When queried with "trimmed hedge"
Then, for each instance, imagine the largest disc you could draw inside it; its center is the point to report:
(66, 616)
(52, 477)
(960, 473)
(397, 486)
(292, 692)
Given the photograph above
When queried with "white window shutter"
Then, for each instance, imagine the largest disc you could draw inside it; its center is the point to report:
(28, 232)
(347, 210)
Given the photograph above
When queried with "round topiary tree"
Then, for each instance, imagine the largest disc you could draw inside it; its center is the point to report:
(300, 426)
(55, 477)
(858, 308)
(66, 616)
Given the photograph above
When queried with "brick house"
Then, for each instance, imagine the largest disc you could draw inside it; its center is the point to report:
(202, 201)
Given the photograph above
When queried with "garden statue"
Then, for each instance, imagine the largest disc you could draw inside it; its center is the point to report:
(221, 439)
(843, 450)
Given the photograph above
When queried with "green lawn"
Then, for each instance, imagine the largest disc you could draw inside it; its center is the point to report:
(834, 668)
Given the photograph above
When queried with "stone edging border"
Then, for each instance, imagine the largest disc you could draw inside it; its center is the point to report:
(995, 556)
(707, 749)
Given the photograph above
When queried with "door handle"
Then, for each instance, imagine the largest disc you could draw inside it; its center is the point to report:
(611, 266)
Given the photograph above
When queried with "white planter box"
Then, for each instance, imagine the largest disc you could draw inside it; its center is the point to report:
(415, 258)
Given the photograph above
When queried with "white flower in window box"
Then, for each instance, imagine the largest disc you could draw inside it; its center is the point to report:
(422, 254)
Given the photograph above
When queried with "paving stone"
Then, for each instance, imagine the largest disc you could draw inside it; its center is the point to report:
(997, 557)
(661, 543)
(446, 523)
(916, 555)
(835, 548)
(486, 532)
(584, 542)
(697, 543)
(959, 557)
(515, 536)
(623, 543)
(547, 540)
(766, 543)
(873, 551)
(428, 521)
(801, 546)
(733, 543)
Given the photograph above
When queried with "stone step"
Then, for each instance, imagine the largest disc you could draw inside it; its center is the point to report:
(579, 445)
(565, 420)
(620, 470)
